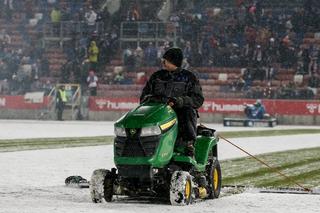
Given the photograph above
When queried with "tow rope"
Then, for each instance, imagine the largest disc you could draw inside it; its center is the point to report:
(267, 165)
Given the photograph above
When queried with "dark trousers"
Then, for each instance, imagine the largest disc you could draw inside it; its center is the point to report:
(60, 108)
(187, 123)
(93, 91)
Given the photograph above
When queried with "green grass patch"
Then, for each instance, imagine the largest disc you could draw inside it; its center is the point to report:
(51, 143)
(301, 166)
(266, 133)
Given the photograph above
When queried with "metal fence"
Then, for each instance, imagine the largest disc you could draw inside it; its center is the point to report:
(141, 33)
(67, 30)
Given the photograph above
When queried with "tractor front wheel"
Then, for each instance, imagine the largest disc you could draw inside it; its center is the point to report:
(181, 188)
(101, 185)
(97, 185)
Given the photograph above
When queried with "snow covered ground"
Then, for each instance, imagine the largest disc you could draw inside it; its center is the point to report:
(33, 181)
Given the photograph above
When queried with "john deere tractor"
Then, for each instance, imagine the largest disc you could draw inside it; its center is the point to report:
(149, 163)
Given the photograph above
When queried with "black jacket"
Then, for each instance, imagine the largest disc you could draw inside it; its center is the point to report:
(180, 84)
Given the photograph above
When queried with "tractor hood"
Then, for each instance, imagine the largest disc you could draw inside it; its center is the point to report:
(147, 114)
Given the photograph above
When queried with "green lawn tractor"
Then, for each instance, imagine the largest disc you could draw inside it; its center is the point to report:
(149, 164)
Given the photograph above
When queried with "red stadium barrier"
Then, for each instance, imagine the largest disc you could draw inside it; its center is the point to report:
(221, 106)
(273, 107)
(19, 102)
(224, 106)
(112, 104)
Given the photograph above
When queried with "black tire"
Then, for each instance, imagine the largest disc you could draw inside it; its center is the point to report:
(108, 186)
(214, 179)
(97, 185)
(181, 188)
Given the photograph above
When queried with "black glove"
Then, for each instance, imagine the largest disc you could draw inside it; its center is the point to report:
(176, 101)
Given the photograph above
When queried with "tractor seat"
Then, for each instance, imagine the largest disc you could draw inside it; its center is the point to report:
(205, 131)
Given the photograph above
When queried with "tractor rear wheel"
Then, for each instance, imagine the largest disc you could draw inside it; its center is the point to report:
(214, 179)
(108, 186)
(181, 188)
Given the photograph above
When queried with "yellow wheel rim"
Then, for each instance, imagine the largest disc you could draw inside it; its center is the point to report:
(215, 177)
(188, 189)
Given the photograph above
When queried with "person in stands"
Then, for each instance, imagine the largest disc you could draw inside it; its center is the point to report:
(93, 53)
(92, 81)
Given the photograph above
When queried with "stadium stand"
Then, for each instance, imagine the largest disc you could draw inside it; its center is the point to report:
(238, 48)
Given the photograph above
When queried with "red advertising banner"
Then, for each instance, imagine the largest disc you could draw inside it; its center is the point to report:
(221, 106)
(224, 106)
(19, 102)
(112, 104)
(273, 107)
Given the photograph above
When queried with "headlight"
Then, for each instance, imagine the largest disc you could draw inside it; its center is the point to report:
(168, 125)
(119, 131)
(150, 131)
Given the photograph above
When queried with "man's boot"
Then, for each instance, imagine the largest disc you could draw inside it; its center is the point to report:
(189, 150)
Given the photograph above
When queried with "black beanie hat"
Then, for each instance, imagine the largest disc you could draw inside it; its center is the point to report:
(174, 56)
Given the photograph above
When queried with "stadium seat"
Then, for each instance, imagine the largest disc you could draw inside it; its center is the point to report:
(298, 79)
(223, 77)
(118, 69)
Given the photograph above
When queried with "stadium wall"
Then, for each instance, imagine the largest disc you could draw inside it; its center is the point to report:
(294, 112)
(21, 107)
(291, 112)
(215, 117)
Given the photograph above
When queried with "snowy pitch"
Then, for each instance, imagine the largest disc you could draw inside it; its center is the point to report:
(33, 181)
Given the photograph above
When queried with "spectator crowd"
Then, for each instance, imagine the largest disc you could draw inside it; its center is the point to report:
(259, 38)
